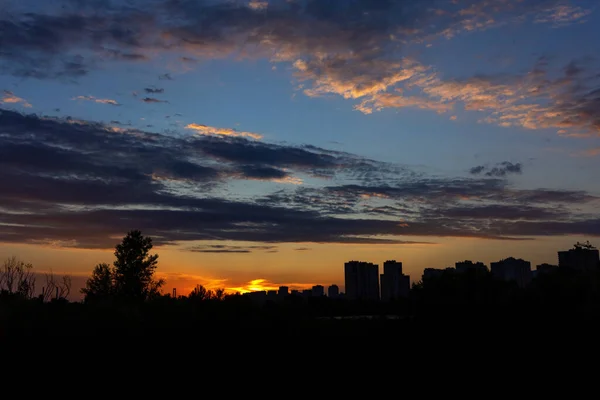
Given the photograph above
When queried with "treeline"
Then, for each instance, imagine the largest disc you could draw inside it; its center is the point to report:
(125, 297)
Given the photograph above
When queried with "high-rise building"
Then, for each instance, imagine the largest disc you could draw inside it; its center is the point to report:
(394, 284)
(318, 291)
(512, 269)
(468, 265)
(283, 291)
(362, 280)
(333, 291)
(582, 257)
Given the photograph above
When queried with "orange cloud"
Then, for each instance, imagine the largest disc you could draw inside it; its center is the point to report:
(211, 130)
(592, 152)
(186, 283)
(352, 77)
(530, 101)
(390, 100)
(9, 97)
(258, 285)
(258, 5)
(291, 180)
(563, 14)
(96, 100)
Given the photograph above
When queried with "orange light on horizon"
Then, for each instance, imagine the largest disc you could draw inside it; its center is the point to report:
(261, 285)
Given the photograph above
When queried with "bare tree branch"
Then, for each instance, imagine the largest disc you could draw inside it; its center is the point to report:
(17, 277)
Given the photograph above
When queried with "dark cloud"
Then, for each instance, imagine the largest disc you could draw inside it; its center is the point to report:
(154, 90)
(504, 212)
(477, 170)
(153, 100)
(32, 41)
(353, 49)
(256, 155)
(262, 172)
(499, 170)
(221, 248)
(80, 183)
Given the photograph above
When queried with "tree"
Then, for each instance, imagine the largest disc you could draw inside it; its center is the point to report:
(101, 285)
(56, 289)
(17, 278)
(134, 268)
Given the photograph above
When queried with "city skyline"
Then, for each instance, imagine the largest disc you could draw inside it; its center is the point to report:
(363, 282)
(266, 143)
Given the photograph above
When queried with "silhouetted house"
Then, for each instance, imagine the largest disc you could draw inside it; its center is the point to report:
(283, 291)
(307, 293)
(468, 265)
(295, 292)
(318, 291)
(582, 257)
(429, 273)
(394, 284)
(362, 280)
(333, 291)
(512, 269)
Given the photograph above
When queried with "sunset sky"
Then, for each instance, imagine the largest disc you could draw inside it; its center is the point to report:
(265, 143)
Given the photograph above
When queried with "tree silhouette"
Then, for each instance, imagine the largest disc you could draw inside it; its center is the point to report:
(54, 289)
(134, 268)
(101, 285)
(17, 278)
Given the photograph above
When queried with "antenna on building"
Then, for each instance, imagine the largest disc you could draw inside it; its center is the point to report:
(174, 293)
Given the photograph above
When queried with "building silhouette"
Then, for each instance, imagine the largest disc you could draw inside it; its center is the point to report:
(513, 269)
(318, 291)
(544, 268)
(361, 280)
(283, 291)
(582, 257)
(394, 284)
(333, 291)
(468, 265)
(430, 273)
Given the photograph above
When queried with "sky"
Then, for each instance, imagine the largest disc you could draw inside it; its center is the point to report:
(265, 143)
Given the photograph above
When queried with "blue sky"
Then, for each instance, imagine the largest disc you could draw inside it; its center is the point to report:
(463, 117)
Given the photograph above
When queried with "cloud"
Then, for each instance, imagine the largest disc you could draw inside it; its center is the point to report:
(592, 152)
(153, 100)
(154, 90)
(165, 77)
(222, 248)
(96, 100)
(57, 185)
(211, 130)
(9, 97)
(564, 98)
(260, 285)
(499, 170)
(350, 49)
(562, 15)
(477, 170)
(258, 5)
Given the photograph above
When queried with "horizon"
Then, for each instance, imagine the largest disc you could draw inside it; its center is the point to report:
(265, 143)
